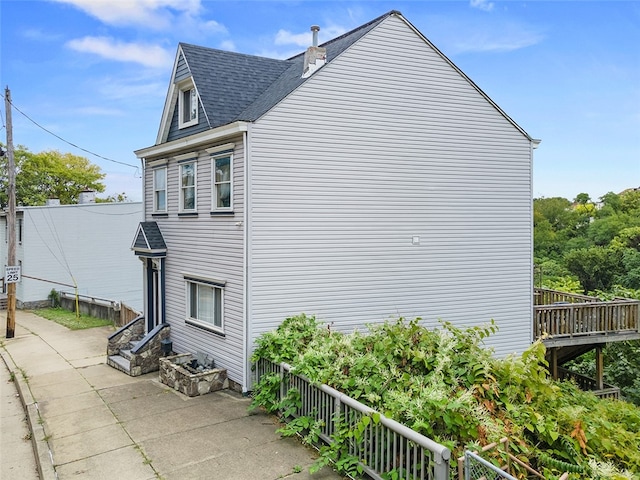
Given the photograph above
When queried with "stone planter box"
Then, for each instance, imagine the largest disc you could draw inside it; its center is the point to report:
(173, 372)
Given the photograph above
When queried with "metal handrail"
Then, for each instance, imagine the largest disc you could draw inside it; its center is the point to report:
(386, 446)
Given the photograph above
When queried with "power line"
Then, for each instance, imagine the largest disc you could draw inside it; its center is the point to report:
(68, 142)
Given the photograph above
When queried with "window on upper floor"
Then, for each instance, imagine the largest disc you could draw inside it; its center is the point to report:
(160, 190)
(222, 182)
(204, 303)
(188, 187)
(187, 105)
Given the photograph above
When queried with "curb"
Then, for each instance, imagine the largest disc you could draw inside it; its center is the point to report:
(42, 451)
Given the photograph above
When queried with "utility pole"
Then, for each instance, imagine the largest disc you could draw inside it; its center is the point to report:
(11, 219)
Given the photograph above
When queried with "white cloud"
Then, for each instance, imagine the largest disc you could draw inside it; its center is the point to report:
(151, 14)
(505, 40)
(39, 35)
(464, 35)
(228, 45)
(482, 5)
(285, 37)
(105, 47)
(277, 54)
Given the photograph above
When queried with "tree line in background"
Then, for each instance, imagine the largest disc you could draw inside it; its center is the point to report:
(51, 174)
(594, 248)
(588, 247)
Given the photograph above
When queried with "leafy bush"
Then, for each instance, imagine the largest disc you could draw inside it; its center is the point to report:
(444, 384)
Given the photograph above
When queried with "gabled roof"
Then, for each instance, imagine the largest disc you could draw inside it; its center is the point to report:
(148, 241)
(292, 77)
(235, 87)
(228, 82)
(238, 87)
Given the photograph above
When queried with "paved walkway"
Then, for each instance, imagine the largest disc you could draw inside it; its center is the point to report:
(89, 421)
(16, 452)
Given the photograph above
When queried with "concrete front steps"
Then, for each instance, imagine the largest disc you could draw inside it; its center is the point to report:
(135, 353)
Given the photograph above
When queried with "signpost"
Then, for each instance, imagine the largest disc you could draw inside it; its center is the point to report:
(12, 274)
(11, 219)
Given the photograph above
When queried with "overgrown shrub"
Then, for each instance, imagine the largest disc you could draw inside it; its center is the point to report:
(446, 385)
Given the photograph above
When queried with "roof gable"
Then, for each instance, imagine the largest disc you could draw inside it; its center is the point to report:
(238, 87)
(148, 241)
(234, 87)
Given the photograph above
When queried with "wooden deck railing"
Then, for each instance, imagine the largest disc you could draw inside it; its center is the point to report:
(545, 296)
(568, 319)
(589, 384)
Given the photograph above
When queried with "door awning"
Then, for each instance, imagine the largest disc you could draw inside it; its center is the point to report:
(149, 241)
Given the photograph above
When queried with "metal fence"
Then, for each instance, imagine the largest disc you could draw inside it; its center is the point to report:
(477, 468)
(383, 447)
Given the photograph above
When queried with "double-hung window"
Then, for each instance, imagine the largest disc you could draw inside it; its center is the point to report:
(188, 187)
(187, 105)
(160, 190)
(204, 303)
(222, 182)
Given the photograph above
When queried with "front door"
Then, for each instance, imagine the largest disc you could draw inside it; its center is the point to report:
(155, 292)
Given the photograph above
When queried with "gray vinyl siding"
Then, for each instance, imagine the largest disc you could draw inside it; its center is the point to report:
(205, 246)
(384, 143)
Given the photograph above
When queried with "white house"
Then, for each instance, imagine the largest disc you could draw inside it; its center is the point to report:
(366, 179)
(84, 245)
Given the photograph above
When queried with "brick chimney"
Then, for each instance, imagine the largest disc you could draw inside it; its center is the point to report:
(315, 56)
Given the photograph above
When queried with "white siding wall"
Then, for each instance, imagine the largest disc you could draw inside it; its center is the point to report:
(205, 246)
(90, 242)
(386, 143)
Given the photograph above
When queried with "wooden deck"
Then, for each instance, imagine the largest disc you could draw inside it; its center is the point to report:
(570, 325)
(563, 319)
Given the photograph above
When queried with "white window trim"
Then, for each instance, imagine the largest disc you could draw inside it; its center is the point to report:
(214, 205)
(155, 198)
(195, 186)
(185, 86)
(188, 280)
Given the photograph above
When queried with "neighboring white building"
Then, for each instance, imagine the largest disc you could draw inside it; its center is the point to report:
(87, 245)
(380, 183)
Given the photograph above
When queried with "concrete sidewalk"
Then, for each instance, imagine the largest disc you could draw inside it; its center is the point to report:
(90, 421)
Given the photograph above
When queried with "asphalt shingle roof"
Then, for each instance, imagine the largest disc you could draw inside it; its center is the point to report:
(238, 87)
(149, 239)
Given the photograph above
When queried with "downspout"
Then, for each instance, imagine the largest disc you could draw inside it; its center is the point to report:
(145, 263)
(533, 144)
(245, 262)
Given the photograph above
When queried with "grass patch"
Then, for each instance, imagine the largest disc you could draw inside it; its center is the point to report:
(69, 320)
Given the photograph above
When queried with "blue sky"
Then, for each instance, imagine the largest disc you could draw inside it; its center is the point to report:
(96, 72)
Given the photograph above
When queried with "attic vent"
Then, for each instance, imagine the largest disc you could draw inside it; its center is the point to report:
(315, 56)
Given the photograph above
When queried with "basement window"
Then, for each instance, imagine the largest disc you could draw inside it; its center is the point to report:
(204, 304)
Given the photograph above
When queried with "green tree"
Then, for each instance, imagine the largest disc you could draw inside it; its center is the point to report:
(49, 174)
(118, 198)
(582, 198)
(595, 267)
(556, 210)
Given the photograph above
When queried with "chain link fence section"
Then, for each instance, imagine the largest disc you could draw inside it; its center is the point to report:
(477, 468)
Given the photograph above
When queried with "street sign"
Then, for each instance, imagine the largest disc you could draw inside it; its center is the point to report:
(12, 274)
